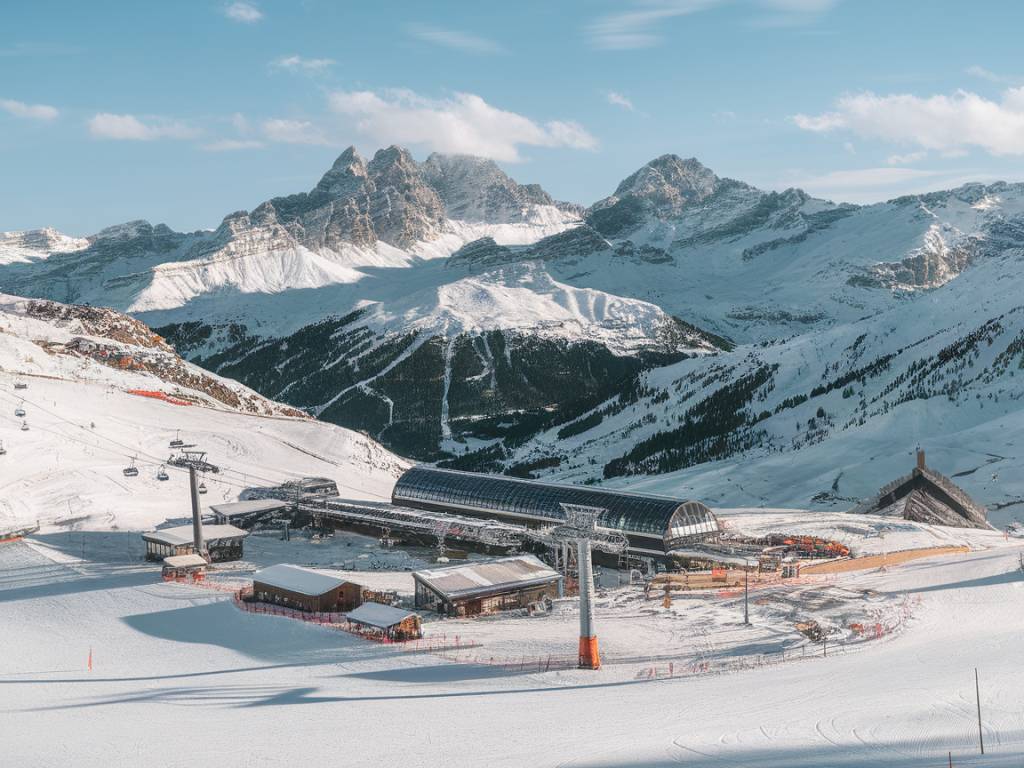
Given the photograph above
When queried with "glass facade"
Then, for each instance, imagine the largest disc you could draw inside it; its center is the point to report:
(444, 489)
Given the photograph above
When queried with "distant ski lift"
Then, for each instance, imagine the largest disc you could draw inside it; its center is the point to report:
(177, 442)
(162, 474)
(202, 487)
(24, 426)
(20, 385)
(131, 470)
(19, 412)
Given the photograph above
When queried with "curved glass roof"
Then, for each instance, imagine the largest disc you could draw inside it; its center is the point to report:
(467, 491)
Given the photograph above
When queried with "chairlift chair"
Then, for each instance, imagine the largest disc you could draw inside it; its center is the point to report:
(19, 412)
(24, 426)
(162, 474)
(2, 449)
(20, 385)
(131, 470)
(177, 442)
(202, 487)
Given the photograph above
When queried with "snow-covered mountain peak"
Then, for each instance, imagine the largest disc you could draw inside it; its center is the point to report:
(668, 184)
(345, 177)
(37, 244)
(475, 189)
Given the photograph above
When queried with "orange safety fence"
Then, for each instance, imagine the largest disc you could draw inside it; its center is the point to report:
(156, 395)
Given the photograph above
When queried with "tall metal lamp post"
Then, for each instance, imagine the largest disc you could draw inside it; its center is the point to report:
(580, 528)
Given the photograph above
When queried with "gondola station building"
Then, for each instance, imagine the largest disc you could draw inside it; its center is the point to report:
(223, 542)
(472, 589)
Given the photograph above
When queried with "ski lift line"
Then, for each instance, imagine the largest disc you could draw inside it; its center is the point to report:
(134, 451)
(293, 475)
(120, 455)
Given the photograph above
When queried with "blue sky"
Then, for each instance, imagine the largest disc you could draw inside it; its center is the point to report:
(183, 112)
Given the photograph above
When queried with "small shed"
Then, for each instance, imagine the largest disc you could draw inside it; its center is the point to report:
(245, 514)
(223, 542)
(488, 586)
(305, 589)
(184, 568)
(386, 621)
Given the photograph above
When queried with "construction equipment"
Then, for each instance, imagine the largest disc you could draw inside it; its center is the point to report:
(161, 474)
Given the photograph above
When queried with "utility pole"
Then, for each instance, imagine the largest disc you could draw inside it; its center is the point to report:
(746, 592)
(977, 695)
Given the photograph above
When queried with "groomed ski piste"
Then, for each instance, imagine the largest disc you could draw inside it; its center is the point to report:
(179, 675)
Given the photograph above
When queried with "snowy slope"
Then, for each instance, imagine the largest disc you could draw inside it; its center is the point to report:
(85, 426)
(171, 659)
(826, 418)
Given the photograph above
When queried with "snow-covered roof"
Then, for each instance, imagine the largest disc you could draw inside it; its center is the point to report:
(378, 615)
(182, 534)
(295, 578)
(185, 561)
(241, 508)
(483, 577)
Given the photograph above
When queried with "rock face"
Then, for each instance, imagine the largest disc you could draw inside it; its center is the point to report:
(664, 188)
(116, 341)
(475, 189)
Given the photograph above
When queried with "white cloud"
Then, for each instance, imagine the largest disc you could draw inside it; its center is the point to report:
(463, 123)
(849, 148)
(618, 100)
(30, 111)
(824, 122)
(451, 38)
(130, 128)
(638, 27)
(247, 13)
(293, 132)
(907, 159)
(296, 63)
(232, 145)
(985, 74)
(940, 122)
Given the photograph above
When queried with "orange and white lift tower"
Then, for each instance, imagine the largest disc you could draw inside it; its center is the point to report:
(580, 528)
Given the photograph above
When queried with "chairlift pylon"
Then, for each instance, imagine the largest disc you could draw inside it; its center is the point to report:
(131, 470)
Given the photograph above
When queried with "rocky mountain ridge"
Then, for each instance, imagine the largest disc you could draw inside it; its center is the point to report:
(456, 314)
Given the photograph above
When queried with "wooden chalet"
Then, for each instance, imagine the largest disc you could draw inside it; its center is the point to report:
(305, 589)
(926, 496)
(385, 622)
